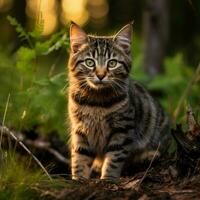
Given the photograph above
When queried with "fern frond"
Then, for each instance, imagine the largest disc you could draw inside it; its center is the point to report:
(63, 41)
(54, 43)
(39, 27)
(23, 35)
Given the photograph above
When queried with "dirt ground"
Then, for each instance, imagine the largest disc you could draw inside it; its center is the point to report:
(160, 182)
(153, 188)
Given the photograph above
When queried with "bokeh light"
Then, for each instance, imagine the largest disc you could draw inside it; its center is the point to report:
(74, 10)
(56, 12)
(82, 11)
(5, 5)
(45, 8)
(98, 10)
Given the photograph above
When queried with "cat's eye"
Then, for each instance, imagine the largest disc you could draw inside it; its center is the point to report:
(112, 64)
(90, 63)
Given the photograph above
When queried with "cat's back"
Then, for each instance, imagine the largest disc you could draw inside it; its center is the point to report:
(152, 124)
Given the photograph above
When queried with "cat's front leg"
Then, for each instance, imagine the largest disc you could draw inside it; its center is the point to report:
(82, 157)
(115, 157)
(81, 164)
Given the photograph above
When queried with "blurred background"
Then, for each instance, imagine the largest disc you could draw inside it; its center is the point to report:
(34, 49)
(180, 18)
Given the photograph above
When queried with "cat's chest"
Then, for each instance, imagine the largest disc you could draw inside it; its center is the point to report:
(93, 121)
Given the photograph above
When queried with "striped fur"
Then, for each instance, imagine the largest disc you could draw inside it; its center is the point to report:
(111, 115)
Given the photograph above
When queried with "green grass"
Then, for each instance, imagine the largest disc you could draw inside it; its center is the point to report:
(19, 180)
(16, 180)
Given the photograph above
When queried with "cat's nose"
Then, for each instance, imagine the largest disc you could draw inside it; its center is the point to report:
(100, 76)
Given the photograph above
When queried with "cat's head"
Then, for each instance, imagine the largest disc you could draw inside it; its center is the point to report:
(98, 61)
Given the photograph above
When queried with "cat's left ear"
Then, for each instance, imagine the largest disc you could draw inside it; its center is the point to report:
(78, 37)
(124, 37)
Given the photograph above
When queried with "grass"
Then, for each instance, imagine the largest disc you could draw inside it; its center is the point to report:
(21, 180)
(16, 180)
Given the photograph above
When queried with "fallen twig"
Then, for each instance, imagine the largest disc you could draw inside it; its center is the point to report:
(5, 130)
(91, 196)
(182, 192)
(45, 192)
(188, 145)
(150, 164)
(4, 117)
(46, 146)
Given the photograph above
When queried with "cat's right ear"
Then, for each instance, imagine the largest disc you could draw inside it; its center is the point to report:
(77, 37)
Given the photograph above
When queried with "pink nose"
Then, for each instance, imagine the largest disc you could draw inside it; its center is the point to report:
(100, 76)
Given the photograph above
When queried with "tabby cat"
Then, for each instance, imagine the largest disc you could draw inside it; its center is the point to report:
(112, 117)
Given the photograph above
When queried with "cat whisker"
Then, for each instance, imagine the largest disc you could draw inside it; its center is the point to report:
(119, 86)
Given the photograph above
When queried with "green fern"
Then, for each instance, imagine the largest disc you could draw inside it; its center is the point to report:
(39, 27)
(23, 35)
(25, 56)
(40, 96)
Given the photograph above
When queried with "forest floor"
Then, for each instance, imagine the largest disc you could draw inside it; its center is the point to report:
(157, 180)
(160, 182)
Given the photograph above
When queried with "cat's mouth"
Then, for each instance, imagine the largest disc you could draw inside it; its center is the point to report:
(98, 83)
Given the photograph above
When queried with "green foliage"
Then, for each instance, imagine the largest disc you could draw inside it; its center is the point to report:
(20, 181)
(171, 84)
(174, 82)
(47, 104)
(24, 59)
(38, 29)
(17, 181)
(38, 87)
(19, 29)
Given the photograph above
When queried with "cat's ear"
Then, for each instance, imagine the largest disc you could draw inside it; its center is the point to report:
(124, 37)
(77, 37)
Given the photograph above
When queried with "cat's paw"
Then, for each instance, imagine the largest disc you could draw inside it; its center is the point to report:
(79, 178)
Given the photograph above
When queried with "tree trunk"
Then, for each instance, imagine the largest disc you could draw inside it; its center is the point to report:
(155, 31)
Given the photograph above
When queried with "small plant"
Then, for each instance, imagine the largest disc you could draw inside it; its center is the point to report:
(38, 96)
(20, 181)
(172, 84)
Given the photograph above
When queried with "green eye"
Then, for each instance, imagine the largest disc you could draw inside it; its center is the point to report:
(112, 63)
(89, 62)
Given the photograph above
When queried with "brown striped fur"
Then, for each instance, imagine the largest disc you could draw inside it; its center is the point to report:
(111, 115)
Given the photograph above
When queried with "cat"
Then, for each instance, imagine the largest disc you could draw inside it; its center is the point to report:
(112, 117)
